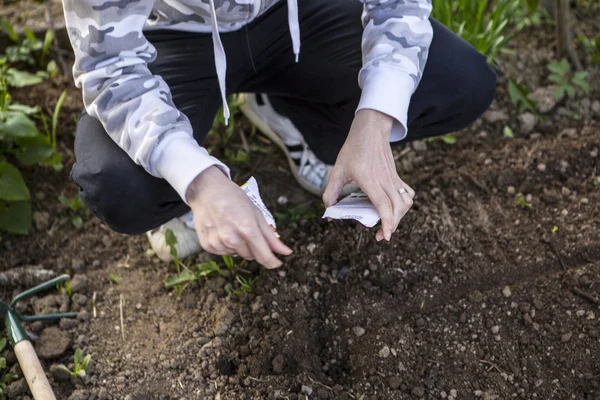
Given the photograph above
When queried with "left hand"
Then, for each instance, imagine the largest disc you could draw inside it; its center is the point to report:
(366, 160)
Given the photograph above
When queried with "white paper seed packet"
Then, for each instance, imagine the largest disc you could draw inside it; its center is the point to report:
(251, 190)
(355, 206)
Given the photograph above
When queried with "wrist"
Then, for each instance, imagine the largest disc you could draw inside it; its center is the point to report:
(377, 121)
(204, 179)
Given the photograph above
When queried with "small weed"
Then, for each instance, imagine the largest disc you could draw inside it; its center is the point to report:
(7, 378)
(508, 132)
(77, 209)
(554, 230)
(65, 287)
(566, 80)
(592, 46)
(519, 96)
(186, 274)
(81, 364)
(247, 285)
(114, 277)
(234, 153)
(171, 241)
(447, 138)
(596, 181)
(522, 202)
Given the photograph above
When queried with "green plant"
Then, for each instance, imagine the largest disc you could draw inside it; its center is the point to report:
(77, 209)
(482, 23)
(596, 181)
(7, 378)
(522, 202)
(566, 80)
(224, 134)
(114, 277)
(20, 139)
(554, 230)
(592, 46)
(247, 285)
(80, 366)
(447, 138)
(519, 96)
(65, 287)
(171, 241)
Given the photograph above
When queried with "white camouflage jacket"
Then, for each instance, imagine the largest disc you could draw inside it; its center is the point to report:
(135, 107)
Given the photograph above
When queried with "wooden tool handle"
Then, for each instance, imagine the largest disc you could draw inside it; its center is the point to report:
(32, 369)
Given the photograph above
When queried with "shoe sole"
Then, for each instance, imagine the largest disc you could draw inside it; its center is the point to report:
(266, 130)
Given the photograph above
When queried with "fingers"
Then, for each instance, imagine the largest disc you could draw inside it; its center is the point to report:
(273, 241)
(334, 187)
(399, 206)
(384, 206)
(409, 190)
(262, 253)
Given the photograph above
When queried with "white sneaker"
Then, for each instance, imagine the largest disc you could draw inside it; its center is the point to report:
(310, 172)
(187, 239)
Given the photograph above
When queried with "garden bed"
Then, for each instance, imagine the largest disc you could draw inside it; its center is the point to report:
(480, 294)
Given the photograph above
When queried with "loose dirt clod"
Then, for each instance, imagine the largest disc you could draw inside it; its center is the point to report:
(52, 343)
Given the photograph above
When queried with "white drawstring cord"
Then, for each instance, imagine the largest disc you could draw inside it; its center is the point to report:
(219, 50)
(220, 59)
(294, 24)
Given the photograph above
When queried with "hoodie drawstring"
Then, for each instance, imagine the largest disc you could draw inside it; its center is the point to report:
(219, 50)
(294, 24)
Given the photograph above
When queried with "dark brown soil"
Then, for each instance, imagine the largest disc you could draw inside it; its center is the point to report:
(475, 296)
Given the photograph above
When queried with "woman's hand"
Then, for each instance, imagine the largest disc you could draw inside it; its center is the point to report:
(366, 160)
(227, 221)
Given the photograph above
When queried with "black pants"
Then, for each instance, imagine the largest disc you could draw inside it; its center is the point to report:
(319, 94)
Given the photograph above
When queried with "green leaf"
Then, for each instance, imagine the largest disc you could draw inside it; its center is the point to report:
(17, 78)
(560, 68)
(48, 39)
(35, 154)
(570, 90)
(228, 260)
(77, 222)
(16, 124)
(2, 362)
(86, 361)
(12, 185)
(580, 79)
(114, 277)
(170, 238)
(519, 96)
(15, 217)
(175, 280)
(52, 68)
(78, 356)
(80, 373)
(30, 35)
(448, 138)
(559, 80)
(22, 108)
(8, 378)
(559, 92)
(206, 269)
(2, 344)
(508, 132)
(57, 108)
(9, 30)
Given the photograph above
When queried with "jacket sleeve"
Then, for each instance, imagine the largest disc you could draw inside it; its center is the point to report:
(134, 106)
(395, 46)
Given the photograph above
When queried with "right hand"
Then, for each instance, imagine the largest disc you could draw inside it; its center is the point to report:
(227, 221)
